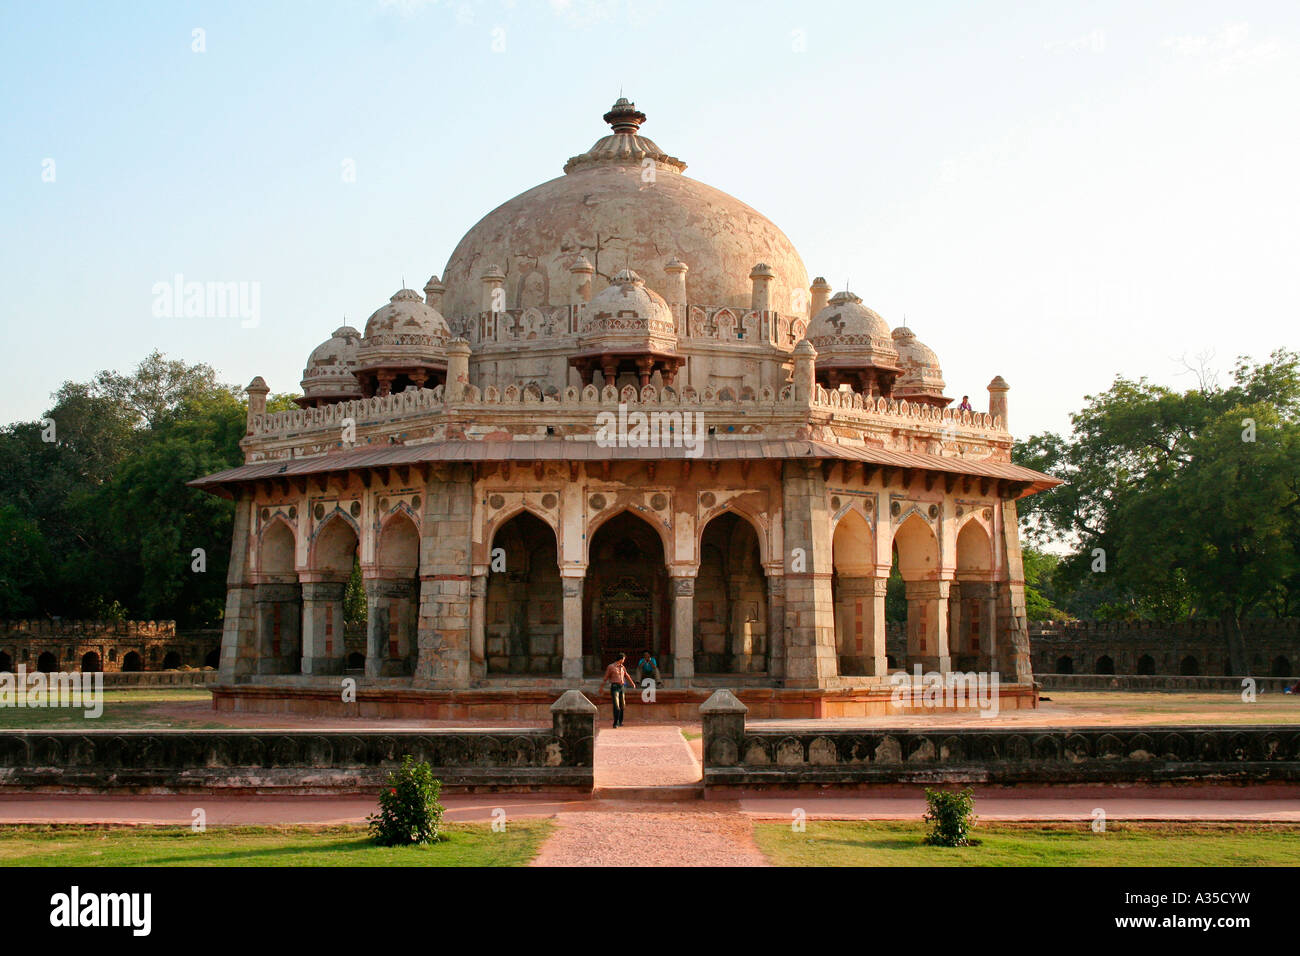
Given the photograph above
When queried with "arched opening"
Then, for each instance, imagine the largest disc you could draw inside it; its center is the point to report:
(279, 602)
(132, 662)
(916, 553)
(6, 663)
(625, 595)
(393, 599)
(171, 661)
(332, 564)
(213, 658)
(356, 661)
(853, 594)
(1189, 667)
(730, 599)
(524, 620)
(1281, 667)
(47, 663)
(972, 602)
(1064, 665)
(90, 663)
(1146, 665)
(1105, 665)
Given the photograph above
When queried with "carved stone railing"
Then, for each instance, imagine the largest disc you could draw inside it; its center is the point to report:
(849, 405)
(739, 756)
(303, 761)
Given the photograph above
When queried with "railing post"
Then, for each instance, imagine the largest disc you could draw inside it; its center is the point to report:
(573, 719)
(724, 729)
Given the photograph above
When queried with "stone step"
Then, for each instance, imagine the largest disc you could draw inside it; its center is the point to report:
(669, 794)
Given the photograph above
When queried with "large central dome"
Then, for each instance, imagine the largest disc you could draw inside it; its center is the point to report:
(624, 204)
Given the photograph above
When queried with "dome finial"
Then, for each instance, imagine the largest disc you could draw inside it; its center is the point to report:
(623, 116)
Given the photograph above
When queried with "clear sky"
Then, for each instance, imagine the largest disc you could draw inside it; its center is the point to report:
(1051, 192)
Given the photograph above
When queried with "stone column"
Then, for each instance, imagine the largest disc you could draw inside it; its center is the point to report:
(279, 624)
(775, 624)
(443, 633)
(390, 627)
(684, 627)
(571, 581)
(927, 625)
(853, 613)
(239, 625)
(478, 626)
(810, 653)
(322, 627)
(877, 653)
(1012, 622)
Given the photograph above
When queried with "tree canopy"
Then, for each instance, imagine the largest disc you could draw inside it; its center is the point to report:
(98, 522)
(1177, 504)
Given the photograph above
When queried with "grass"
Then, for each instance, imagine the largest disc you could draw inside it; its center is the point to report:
(123, 709)
(466, 844)
(836, 843)
(1179, 707)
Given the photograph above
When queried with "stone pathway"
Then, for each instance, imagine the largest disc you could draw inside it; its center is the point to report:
(635, 761)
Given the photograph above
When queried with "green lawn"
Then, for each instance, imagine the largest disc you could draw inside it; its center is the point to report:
(124, 709)
(467, 844)
(836, 843)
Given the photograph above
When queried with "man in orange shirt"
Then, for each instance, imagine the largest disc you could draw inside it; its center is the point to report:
(616, 674)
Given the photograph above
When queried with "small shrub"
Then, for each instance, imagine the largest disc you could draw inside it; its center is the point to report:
(950, 816)
(409, 811)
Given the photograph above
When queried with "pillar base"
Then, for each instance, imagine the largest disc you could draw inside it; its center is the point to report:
(572, 668)
(322, 665)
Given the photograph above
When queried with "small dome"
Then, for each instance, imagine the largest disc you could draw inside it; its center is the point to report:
(846, 321)
(406, 312)
(628, 314)
(921, 371)
(329, 376)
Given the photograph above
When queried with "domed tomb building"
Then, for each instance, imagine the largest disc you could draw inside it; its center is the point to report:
(622, 419)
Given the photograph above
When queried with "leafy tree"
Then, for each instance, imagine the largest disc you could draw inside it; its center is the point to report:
(1179, 504)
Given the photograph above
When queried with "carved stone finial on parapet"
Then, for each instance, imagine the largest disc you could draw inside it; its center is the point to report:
(760, 295)
(494, 281)
(675, 294)
(433, 290)
(821, 295)
(458, 352)
(805, 371)
(998, 389)
(582, 271)
(257, 391)
(724, 729)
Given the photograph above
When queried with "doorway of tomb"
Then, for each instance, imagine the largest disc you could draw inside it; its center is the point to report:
(625, 596)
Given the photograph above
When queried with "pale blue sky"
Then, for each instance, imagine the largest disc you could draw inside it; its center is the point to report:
(1050, 192)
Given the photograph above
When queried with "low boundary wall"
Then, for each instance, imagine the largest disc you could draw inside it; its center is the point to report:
(1159, 682)
(755, 757)
(269, 761)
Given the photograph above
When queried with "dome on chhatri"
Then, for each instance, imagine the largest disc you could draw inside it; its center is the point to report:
(407, 312)
(329, 372)
(627, 312)
(613, 207)
(846, 321)
(921, 371)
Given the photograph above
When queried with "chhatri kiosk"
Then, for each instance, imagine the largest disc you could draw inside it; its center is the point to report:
(623, 418)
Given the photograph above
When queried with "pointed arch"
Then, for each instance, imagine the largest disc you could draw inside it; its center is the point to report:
(917, 547)
(974, 550)
(277, 551)
(398, 549)
(665, 536)
(334, 545)
(853, 545)
(748, 516)
(493, 525)
(524, 601)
